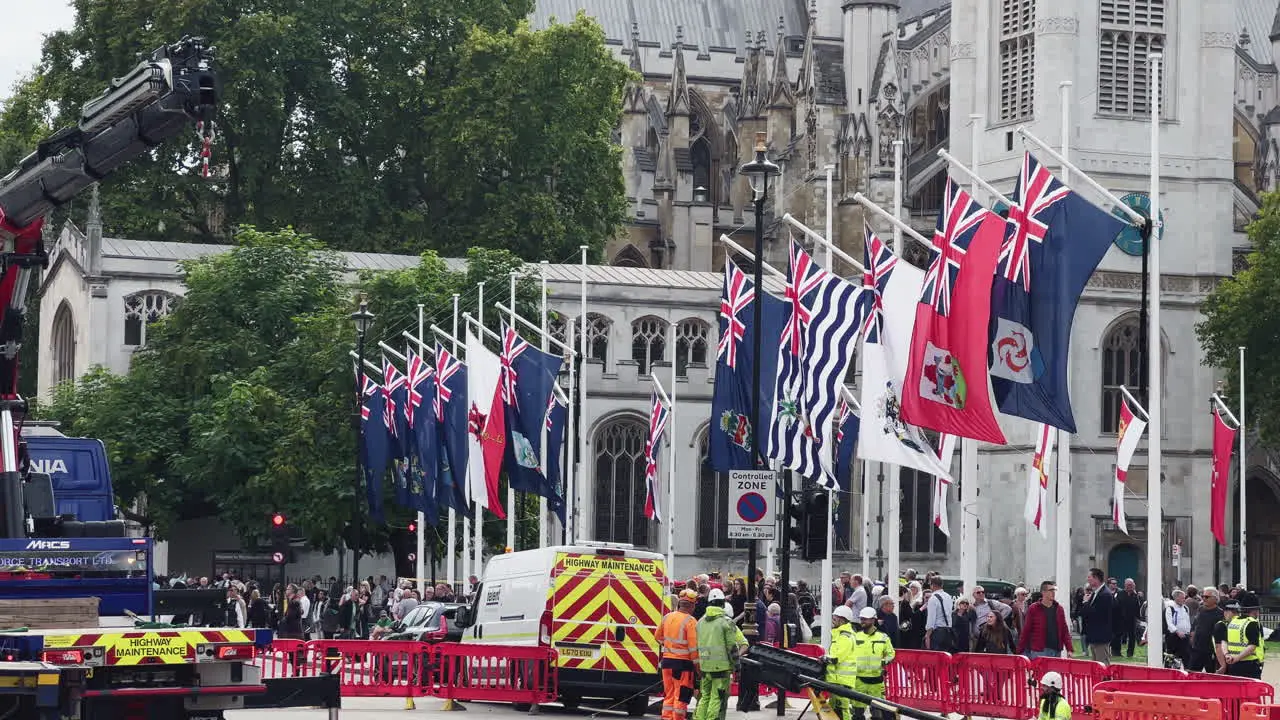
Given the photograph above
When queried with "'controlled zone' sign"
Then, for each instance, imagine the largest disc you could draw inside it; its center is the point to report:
(751, 494)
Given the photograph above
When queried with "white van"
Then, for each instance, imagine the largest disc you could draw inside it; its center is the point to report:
(598, 604)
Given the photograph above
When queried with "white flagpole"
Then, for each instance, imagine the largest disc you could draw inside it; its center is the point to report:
(580, 472)
(1244, 564)
(893, 567)
(569, 467)
(828, 570)
(544, 522)
(969, 446)
(477, 527)
(511, 493)
(422, 517)
(1155, 518)
(1062, 468)
(451, 538)
(671, 462)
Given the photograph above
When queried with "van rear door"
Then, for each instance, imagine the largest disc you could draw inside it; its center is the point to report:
(636, 606)
(580, 614)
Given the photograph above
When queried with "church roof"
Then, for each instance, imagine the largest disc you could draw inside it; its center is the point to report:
(175, 251)
(1258, 17)
(908, 9)
(706, 23)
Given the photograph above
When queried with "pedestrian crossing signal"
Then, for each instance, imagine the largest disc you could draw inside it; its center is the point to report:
(279, 538)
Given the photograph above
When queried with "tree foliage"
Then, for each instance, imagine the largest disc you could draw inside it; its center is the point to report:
(372, 125)
(242, 401)
(1245, 310)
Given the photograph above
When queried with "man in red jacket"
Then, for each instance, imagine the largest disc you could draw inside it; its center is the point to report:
(1045, 632)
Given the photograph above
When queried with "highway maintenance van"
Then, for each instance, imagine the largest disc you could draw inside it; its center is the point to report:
(598, 604)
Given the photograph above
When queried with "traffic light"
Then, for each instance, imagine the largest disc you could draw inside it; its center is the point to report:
(796, 522)
(279, 538)
(814, 546)
(413, 527)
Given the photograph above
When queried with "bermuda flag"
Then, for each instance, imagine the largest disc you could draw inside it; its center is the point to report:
(892, 291)
(946, 451)
(1054, 241)
(486, 426)
(814, 357)
(658, 415)
(1131, 428)
(1038, 481)
(946, 386)
(1224, 440)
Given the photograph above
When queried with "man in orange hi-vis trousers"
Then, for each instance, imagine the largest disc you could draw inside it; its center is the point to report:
(678, 638)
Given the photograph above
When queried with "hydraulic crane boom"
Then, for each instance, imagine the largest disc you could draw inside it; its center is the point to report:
(160, 97)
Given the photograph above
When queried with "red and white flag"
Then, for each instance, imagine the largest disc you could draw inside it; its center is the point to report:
(1131, 429)
(658, 415)
(486, 426)
(1224, 440)
(1038, 481)
(946, 450)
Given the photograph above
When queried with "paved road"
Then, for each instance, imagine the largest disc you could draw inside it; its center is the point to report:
(380, 709)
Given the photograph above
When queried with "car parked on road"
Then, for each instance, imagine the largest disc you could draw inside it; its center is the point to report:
(432, 622)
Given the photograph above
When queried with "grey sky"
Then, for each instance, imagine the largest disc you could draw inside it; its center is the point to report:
(26, 22)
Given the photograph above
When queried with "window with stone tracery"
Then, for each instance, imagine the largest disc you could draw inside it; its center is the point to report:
(141, 310)
(598, 327)
(691, 344)
(64, 345)
(648, 342)
(1017, 51)
(1129, 30)
(619, 482)
(1121, 367)
(557, 326)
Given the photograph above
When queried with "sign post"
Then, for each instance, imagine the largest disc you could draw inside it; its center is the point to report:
(1176, 552)
(751, 512)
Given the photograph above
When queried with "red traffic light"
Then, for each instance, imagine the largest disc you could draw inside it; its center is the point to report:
(277, 520)
(413, 527)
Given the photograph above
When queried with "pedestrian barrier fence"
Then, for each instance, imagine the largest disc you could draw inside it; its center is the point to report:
(1257, 711)
(1232, 694)
(920, 679)
(409, 669)
(1134, 706)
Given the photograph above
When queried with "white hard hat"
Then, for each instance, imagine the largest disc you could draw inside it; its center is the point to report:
(867, 613)
(844, 611)
(1053, 680)
(715, 594)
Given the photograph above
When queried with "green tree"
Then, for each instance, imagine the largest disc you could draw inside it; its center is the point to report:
(242, 402)
(442, 124)
(1245, 310)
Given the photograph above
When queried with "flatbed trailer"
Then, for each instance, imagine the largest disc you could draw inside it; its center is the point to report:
(165, 673)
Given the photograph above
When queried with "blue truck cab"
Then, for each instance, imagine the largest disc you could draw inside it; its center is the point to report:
(78, 467)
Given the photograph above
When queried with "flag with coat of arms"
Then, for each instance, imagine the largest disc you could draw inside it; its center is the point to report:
(947, 387)
(1054, 241)
(528, 378)
(375, 446)
(557, 422)
(847, 425)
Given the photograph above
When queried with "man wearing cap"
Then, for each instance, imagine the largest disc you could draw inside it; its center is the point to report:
(678, 640)
(1240, 647)
(720, 644)
(843, 664)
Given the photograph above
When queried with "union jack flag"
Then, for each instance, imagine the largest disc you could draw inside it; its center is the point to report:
(878, 262)
(370, 387)
(392, 380)
(418, 373)
(551, 406)
(446, 366)
(960, 215)
(512, 347)
(1036, 192)
(803, 275)
(737, 296)
(657, 425)
(845, 412)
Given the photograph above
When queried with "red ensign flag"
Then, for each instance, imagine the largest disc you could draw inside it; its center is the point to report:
(1224, 440)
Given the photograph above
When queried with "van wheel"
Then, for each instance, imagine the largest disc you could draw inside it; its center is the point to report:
(637, 706)
(570, 702)
(521, 707)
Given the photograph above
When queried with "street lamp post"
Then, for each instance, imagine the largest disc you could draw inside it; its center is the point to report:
(758, 172)
(362, 319)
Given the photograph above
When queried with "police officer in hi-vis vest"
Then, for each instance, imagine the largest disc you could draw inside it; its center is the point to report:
(1239, 638)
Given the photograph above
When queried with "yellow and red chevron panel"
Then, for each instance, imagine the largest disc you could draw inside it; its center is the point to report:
(148, 647)
(605, 612)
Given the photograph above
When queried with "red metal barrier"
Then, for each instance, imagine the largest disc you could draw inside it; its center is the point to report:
(996, 686)
(921, 679)
(283, 659)
(1254, 711)
(1233, 695)
(1125, 671)
(1079, 677)
(375, 668)
(497, 673)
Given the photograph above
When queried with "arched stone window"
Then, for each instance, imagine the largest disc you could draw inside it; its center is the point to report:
(648, 342)
(691, 344)
(713, 504)
(1121, 366)
(64, 345)
(598, 328)
(619, 482)
(700, 158)
(142, 309)
(629, 256)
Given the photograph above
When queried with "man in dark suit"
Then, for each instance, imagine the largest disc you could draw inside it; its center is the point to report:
(1124, 618)
(1095, 615)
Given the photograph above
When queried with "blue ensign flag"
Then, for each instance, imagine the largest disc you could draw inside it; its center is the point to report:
(557, 422)
(375, 451)
(451, 414)
(1054, 241)
(846, 441)
(527, 381)
(426, 446)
